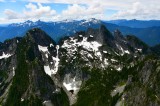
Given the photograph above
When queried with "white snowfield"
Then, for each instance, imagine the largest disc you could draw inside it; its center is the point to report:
(84, 43)
(4, 56)
(123, 51)
(49, 71)
(138, 49)
(72, 83)
(56, 60)
(88, 46)
(47, 68)
(72, 44)
(42, 48)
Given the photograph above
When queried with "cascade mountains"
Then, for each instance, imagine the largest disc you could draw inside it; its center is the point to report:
(89, 68)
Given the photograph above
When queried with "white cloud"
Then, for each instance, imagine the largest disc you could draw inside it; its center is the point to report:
(77, 11)
(11, 14)
(37, 11)
(31, 11)
(82, 9)
(129, 9)
(139, 10)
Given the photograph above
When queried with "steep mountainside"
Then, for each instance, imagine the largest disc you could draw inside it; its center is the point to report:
(91, 68)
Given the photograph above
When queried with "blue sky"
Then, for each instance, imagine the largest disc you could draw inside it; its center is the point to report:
(19, 6)
(55, 10)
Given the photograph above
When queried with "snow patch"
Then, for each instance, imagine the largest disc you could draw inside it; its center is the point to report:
(47, 68)
(91, 36)
(90, 56)
(113, 60)
(140, 50)
(46, 55)
(22, 99)
(72, 44)
(106, 62)
(56, 60)
(49, 71)
(105, 52)
(13, 71)
(119, 69)
(72, 84)
(123, 51)
(126, 51)
(135, 56)
(80, 36)
(42, 48)
(47, 103)
(5, 56)
(51, 45)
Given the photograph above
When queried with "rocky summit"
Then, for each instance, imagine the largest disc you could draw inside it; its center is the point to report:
(90, 68)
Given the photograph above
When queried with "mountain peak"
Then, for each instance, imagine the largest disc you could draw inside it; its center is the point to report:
(23, 24)
(38, 22)
(91, 20)
(105, 32)
(40, 37)
(67, 20)
(28, 21)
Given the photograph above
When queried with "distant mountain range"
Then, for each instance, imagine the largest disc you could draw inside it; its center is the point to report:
(147, 31)
(136, 23)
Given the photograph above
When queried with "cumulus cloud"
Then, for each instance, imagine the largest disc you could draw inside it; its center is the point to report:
(38, 11)
(129, 9)
(139, 11)
(82, 9)
(11, 14)
(31, 11)
(76, 9)
(73, 11)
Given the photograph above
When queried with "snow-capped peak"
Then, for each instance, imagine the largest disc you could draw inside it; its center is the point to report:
(23, 24)
(66, 21)
(92, 20)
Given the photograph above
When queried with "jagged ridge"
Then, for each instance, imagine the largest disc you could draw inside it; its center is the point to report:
(89, 68)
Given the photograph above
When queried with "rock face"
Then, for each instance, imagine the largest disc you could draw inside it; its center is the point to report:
(92, 68)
